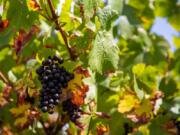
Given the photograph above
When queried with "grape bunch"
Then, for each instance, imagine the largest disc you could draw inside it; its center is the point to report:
(53, 78)
(72, 110)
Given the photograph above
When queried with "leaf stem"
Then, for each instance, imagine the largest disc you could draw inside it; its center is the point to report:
(58, 26)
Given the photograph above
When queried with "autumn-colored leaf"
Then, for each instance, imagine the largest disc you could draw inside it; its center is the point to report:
(127, 103)
(77, 87)
(83, 71)
(6, 91)
(21, 121)
(79, 94)
(3, 101)
(6, 131)
(23, 38)
(33, 5)
(20, 110)
(18, 41)
(4, 96)
(102, 129)
(142, 119)
(3, 24)
(170, 127)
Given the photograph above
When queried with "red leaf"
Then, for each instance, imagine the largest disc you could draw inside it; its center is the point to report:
(18, 41)
(3, 24)
(80, 70)
(102, 129)
(34, 5)
(6, 91)
(79, 95)
(23, 38)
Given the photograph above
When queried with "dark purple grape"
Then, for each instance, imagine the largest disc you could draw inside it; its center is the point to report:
(64, 85)
(44, 109)
(51, 101)
(56, 95)
(71, 76)
(40, 70)
(56, 101)
(47, 72)
(44, 103)
(71, 109)
(50, 76)
(51, 84)
(60, 60)
(61, 79)
(53, 77)
(45, 78)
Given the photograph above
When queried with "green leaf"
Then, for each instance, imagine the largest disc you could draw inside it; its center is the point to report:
(138, 4)
(168, 86)
(138, 69)
(104, 54)
(176, 41)
(19, 15)
(155, 126)
(163, 8)
(138, 91)
(116, 5)
(126, 28)
(31, 63)
(174, 19)
(11, 76)
(89, 6)
(143, 35)
(2, 85)
(106, 16)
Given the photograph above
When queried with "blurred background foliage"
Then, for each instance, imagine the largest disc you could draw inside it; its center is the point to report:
(135, 76)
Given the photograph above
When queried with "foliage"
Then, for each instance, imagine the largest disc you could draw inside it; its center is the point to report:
(126, 77)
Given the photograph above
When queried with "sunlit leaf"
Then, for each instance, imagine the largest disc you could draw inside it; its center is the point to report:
(127, 103)
(116, 5)
(20, 110)
(138, 91)
(138, 69)
(104, 54)
(177, 41)
(145, 107)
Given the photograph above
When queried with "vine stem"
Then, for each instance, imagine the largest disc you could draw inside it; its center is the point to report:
(58, 26)
(3, 77)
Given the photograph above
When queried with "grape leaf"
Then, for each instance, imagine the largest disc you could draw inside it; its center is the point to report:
(89, 7)
(138, 69)
(106, 16)
(116, 5)
(127, 103)
(176, 41)
(104, 54)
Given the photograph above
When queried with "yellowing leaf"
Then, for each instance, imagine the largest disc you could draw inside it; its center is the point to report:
(21, 121)
(77, 87)
(76, 81)
(138, 69)
(20, 110)
(146, 107)
(127, 103)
